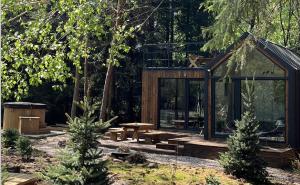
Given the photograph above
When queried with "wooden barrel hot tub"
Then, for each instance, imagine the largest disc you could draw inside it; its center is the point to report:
(15, 112)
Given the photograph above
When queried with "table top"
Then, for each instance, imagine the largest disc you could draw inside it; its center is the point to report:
(135, 124)
(182, 121)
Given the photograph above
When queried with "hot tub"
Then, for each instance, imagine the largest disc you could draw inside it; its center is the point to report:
(14, 110)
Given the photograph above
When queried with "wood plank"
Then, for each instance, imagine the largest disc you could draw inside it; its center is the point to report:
(20, 179)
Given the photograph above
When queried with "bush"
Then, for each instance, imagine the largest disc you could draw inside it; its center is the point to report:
(212, 180)
(137, 158)
(295, 165)
(24, 148)
(9, 137)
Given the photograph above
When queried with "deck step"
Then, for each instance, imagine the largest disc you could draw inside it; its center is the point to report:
(176, 141)
(166, 146)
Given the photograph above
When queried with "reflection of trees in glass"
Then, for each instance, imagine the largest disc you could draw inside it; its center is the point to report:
(270, 100)
(269, 103)
(224, 107)
(257, 64)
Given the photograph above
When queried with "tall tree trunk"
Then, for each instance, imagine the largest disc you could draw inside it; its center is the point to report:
(111, 95)
(75, 93)
(86, 83)
(108, 79)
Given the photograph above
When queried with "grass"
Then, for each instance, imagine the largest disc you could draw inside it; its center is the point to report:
(165, 174)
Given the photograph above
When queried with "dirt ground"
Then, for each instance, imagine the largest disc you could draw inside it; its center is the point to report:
(47, 148)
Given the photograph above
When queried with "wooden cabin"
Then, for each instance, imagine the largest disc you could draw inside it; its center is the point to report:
(199, 99)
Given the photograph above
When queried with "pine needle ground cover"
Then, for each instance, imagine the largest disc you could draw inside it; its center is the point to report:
(165, 174)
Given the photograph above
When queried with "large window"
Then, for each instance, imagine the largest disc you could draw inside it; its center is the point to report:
(181, 103)
(257, 64)
(269, 108)
(171, 102)
(224, 108)
(269, 97)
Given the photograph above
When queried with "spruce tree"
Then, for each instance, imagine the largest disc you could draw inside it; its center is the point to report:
(81, 162)
(242, 160)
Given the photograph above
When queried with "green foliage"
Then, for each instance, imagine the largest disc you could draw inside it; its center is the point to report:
(274, 20)
(81, 162)
(66, 172)
(212, 180)
(242, 159)
(136, 158)
(9, 137)
(24, 147)
(4, 174)
(43, 40)
(239, 56)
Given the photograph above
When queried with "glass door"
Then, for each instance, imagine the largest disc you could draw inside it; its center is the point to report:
(172, 103)
(196, 108)
(181, 103)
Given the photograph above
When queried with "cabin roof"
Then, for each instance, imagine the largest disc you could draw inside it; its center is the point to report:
(284, 55)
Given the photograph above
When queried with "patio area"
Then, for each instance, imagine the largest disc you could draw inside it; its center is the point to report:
(189, 143)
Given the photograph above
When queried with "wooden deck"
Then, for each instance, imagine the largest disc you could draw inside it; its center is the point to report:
(192, 144)
(210, 149)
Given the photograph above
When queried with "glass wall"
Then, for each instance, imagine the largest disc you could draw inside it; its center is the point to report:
(269, 108)
(181, 103)
(269, 96)
(196, 104)
(224, 108)
(257, 64)
(171, 102)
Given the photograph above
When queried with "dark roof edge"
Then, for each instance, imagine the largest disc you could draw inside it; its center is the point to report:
(262, 44)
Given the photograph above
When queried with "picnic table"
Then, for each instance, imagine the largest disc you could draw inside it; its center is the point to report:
(136, 128)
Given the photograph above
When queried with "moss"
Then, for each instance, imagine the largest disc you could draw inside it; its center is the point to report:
(163, 175)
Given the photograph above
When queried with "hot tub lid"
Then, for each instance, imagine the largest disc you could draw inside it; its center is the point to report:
(24, 105)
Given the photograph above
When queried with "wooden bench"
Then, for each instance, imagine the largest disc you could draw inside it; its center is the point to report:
(29, 125)
(114, 132)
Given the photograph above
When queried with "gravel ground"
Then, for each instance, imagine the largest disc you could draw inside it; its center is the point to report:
(49, 145)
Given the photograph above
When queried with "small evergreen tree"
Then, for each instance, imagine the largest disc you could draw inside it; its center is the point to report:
(242, 160)
(24, 148)
(81, 161)
(9, 137)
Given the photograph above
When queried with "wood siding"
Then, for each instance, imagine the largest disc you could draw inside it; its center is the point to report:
(150, 88)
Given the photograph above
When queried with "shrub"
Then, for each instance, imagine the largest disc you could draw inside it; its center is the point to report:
(24, 147)
(212, 180)
(137, 158)
(295, 165)
(9, 137)
(242, 160)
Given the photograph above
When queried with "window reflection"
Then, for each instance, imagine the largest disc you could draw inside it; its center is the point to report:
(269, 108)
(269, 102)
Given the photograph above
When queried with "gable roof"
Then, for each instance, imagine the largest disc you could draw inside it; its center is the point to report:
(279, 53)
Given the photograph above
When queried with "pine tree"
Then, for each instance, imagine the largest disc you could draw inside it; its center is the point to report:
(242, 160)
(81, 162)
